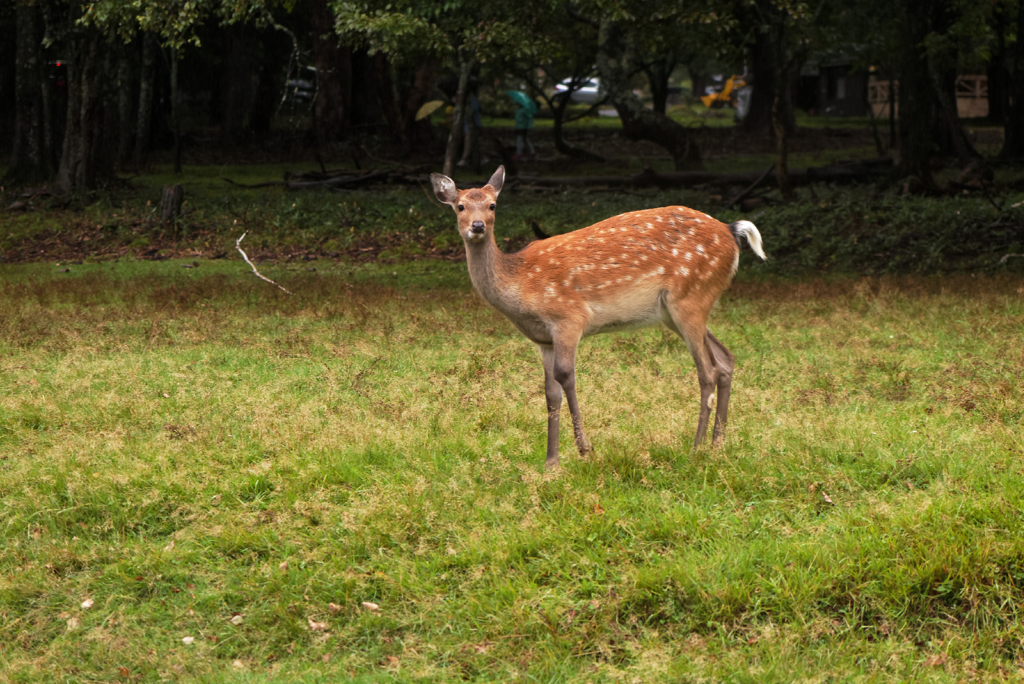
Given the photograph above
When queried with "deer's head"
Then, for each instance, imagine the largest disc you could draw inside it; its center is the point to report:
(474, 208)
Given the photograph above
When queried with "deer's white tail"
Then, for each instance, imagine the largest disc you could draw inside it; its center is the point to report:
(750, 232)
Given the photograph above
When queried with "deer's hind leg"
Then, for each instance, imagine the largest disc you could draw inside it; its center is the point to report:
(724, 362)
(691, 326)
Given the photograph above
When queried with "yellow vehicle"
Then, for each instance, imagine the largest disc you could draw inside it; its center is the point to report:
(725, 96)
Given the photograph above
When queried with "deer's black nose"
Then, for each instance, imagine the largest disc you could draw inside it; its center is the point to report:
(478, 226)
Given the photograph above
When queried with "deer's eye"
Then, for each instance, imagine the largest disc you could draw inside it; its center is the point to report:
(492, 206)
(461, 208)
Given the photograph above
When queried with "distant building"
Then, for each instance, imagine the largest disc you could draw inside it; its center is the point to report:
(971, 96)
(832, 87)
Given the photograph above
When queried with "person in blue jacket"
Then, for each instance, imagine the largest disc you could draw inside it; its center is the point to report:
(524, 122)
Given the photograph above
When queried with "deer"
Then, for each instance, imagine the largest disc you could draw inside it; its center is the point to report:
(663, 266)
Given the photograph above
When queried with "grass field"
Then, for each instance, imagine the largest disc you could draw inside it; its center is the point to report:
(203, 479)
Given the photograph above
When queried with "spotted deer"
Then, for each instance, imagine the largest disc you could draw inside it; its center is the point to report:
(667, 265)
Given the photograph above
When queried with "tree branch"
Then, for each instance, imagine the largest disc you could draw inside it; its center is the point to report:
(238, 246)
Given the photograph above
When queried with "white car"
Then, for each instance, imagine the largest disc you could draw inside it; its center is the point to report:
(588, 92)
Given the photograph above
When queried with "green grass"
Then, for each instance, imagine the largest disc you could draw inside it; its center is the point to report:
(170, 437)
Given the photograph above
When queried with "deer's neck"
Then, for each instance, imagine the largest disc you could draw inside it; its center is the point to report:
(489, 271)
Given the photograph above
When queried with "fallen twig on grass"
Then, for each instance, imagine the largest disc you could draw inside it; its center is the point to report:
(238, 246)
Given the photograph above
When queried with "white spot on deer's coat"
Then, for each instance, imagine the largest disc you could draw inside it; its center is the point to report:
(688, 256)
(700, 250)
(675, 251)
(661, 269)
(685, 271)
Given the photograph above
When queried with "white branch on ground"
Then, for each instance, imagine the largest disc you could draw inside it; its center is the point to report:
(238, 246)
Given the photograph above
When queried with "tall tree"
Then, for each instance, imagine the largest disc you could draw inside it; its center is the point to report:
(626, 30)
(333, 72)
(33, 156)
(1013, 139)
(615, 64)
(412, 36)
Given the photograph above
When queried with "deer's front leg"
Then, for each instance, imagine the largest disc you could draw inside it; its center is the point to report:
(553, 395)
(565, 375)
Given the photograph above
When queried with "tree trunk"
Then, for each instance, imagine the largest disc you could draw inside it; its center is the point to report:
(916, 96)
(949, 134)
(125, 93)
(558, 108)
(418, 134)
(758, 120)
(998, 76)
(614, 57)
(658, 73)
(893, 103)
(143, 123)
(236, 90)
(328, 109)
(774, 58)
(365, 106)
(90, 141)
(31, 159)
(176, 111)
(779, 106)
(386, 96)
(466, 65)
(1013, 140)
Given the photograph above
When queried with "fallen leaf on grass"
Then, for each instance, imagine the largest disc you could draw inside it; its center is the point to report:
(333, 608)
(237, 620)
(238, 665)
(188, 640)
(372, 607)
(936, 660)
(316, 626)
(123, 671)
(87, 603)
(283, 567)
(827, 498)
(72, 623)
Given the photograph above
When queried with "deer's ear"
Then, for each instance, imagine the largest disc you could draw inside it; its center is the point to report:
(497, 180)
(444, 188)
